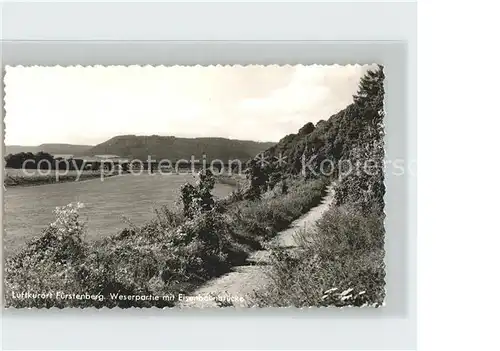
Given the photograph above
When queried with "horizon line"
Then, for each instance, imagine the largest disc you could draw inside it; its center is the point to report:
(149, 135)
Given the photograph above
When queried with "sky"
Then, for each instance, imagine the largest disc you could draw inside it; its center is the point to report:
(89, 105)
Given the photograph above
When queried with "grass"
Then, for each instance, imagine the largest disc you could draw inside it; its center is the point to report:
(339, 263)
(170, 254)
(264, 218)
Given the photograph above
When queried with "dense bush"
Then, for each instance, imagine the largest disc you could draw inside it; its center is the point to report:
(49, 263)
(29, 160)
(363, 187)
(276, 210)
(43, 160)
(173, 253)
(198, 198)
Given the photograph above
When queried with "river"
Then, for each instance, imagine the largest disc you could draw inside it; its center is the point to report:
(28, 210)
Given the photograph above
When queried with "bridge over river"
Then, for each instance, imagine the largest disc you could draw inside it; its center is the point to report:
(96, 163)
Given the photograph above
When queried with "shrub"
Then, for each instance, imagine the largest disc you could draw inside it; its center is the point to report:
(363, 188)
(196, 199)
(48, 263)
(168, 255)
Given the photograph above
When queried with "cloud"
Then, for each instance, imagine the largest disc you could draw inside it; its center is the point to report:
(313, 93)
(91, 104)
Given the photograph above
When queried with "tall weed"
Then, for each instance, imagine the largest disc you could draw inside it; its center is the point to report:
(343, 253)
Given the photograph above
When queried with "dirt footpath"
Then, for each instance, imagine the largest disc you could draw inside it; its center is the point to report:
(238, 285)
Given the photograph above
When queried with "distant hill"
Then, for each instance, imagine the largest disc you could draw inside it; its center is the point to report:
(173, 148)
(53, 149)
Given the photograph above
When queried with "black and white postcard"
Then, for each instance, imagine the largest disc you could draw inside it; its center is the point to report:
(194, 186)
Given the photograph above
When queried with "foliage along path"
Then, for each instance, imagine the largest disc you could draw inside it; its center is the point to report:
(242, 281)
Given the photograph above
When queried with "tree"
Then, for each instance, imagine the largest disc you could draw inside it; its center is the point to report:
(42, 160)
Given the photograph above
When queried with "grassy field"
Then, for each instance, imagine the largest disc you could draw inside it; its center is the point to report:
(340, 262)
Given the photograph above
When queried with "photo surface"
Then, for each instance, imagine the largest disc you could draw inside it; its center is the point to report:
(194, 186)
